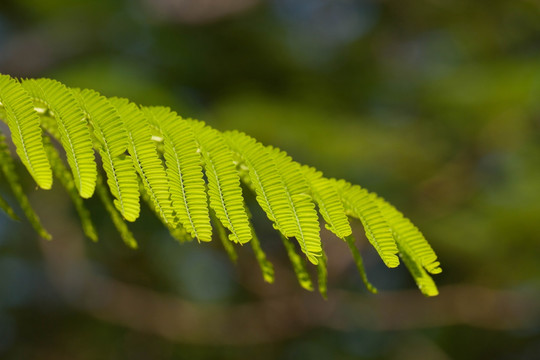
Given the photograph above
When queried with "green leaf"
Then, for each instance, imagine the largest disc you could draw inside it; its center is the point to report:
(184, 171)
(265, 180)
(72, 127)
(424, 282)
(330, 206)
(110, 132)
(273, 189)
(145, 157)
(132, 142)
(408, 235)
(223, 182)
(304, 221)
(358, 203)
(26, 133)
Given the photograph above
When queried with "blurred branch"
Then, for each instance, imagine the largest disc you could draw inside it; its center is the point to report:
(274, 318)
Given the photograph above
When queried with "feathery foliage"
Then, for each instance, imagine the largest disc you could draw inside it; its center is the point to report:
(190, 175)
(265, 180)
(184, 171)
(112, 138)
(145, 157)
(224, 188)
(72, 127)
(327, 198)
(359, 204)
(23, 123)
(305, 220)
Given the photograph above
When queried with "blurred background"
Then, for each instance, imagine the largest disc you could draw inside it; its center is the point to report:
(433, 104)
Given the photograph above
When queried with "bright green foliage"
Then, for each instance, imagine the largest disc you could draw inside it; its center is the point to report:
(112, 138)
(415, 251)
(184, 171)
(145, 157)
(423, 280)
(26, 134)
(408, 235)
(327, 198)
(305, 218)
(132, 141)
(223, 182)
(72, 127)
(360, 205)
(266, 181)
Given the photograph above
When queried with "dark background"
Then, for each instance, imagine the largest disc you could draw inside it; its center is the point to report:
(433, 104)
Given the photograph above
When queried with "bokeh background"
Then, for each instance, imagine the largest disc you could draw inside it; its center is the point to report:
(433, 104)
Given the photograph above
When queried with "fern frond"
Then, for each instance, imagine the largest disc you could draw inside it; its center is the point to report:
(223, 182)
(359, 204)
(266, 181)
(199, 163)
(409, 236)
(72, 127)
(145, 157)
(423, 280)
(304, 219)
(184, 171)
(25, 130)
(111, 135)
(8, 169)
(327, 198)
